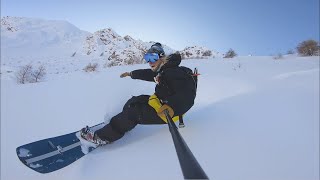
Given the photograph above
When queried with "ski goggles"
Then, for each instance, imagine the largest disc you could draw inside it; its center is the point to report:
(151, 57)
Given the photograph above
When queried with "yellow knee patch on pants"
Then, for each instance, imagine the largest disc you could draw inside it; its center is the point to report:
(155, 103)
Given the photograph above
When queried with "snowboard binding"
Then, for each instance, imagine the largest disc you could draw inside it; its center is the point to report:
(88, 135)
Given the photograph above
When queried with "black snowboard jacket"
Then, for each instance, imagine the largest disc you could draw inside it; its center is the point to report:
(176, 87)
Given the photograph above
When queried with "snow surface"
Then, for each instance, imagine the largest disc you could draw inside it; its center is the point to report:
(255, 118)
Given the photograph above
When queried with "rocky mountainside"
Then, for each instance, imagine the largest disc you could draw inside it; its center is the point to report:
(39, 39)
(196, 52)
(117, 50)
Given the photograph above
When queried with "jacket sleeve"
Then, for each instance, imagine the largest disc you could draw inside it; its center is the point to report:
(143, 74)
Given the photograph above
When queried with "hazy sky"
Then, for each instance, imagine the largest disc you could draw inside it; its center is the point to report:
(258, 27)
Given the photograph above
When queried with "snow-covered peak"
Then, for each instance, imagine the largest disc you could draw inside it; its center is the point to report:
(21, 36)
(9, 24)
(47, 28)
(128, 38)
(108, 35)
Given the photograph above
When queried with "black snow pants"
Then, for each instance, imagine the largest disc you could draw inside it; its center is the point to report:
(135, 111)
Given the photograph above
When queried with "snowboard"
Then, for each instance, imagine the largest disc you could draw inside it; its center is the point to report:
(51, 154)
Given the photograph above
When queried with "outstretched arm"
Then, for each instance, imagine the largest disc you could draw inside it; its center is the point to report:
(142, 74)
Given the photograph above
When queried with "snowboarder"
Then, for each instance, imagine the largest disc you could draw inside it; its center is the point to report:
(175, 91)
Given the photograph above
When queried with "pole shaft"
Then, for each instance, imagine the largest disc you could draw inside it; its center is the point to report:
(190, 167)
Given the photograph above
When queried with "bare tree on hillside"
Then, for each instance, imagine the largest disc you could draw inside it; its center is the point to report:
(278, 56)
(230, 54)
(39, 73)
(290, 51)
(91, 67)
(24, 74)
(309, 48)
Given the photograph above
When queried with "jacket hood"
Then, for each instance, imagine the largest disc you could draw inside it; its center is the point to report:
(173, 60)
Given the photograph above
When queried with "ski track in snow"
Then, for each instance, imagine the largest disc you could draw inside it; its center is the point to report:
(297, 73)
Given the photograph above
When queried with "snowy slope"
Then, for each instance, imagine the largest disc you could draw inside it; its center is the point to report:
(254, 118)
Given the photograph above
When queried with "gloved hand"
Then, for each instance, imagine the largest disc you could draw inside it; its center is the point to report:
(125, 74)
(162, 110)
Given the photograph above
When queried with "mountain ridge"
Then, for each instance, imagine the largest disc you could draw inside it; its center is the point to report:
(35, 37)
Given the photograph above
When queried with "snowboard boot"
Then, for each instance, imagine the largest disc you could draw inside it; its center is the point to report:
(87, 134)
